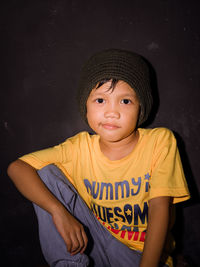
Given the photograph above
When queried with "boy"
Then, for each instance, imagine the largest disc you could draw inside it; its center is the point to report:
(120, 183)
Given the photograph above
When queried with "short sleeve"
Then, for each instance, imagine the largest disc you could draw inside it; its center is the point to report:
(59, 154)
(167, 178)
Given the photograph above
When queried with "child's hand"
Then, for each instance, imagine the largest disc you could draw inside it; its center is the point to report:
(71, 231)
(31, 186)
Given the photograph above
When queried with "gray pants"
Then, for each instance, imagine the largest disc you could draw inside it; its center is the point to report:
(103, 249)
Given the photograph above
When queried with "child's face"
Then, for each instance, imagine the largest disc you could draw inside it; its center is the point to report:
(113, 114)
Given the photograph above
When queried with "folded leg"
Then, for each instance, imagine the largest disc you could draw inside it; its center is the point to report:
(103, 249)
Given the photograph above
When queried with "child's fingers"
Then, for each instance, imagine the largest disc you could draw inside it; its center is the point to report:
(71, 231)
(78, 242)
(68, 243)
(75, 244)
(85, 240)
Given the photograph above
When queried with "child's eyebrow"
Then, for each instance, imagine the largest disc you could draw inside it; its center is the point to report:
(128, 95)
(97, 93)
(123, 95)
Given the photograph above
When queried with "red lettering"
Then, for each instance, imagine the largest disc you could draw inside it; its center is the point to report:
(142, 237)
(136, 236)
(115, 231)
(130, 234)
(123, 234)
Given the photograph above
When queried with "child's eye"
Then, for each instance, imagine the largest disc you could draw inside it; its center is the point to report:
(125, 101)
(100, 100)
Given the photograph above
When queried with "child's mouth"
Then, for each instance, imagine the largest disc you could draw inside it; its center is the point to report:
(110, 126)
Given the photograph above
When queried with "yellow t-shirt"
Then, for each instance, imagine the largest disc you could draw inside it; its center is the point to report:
(118, 191)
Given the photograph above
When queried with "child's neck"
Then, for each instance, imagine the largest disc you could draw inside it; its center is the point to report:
(120, 149)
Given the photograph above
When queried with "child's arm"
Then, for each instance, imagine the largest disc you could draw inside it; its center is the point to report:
(156, 231)
(31, 186)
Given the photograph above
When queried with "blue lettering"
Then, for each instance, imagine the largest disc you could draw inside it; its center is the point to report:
(95, 194)
(109, 215)
(88, 186)
(102, 217)
(139, 214)
(122, 185)
(147, 177)
(136, 183)
(116, 226)
(116, 212)
(128, 211)
(135, 229)
(127, 228)
(107, 186)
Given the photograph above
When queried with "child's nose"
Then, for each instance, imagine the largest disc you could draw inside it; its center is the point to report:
(112, 112)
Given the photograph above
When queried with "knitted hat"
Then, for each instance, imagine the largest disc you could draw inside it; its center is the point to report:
(116, 64)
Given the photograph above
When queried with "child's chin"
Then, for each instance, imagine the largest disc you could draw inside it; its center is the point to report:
(111, 137)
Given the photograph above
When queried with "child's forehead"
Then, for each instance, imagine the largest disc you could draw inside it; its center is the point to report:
(120, 88)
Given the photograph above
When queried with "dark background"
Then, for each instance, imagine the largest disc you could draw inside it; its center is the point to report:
(43, 45)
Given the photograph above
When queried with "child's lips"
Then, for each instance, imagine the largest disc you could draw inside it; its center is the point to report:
(110, 126)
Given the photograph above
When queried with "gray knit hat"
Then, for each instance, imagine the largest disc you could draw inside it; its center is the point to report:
(116, 64)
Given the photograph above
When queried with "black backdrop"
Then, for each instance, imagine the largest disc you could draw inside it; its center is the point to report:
(43, 44)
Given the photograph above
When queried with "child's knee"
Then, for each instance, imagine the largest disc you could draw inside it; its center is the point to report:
(57, 183)
(51, 174)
